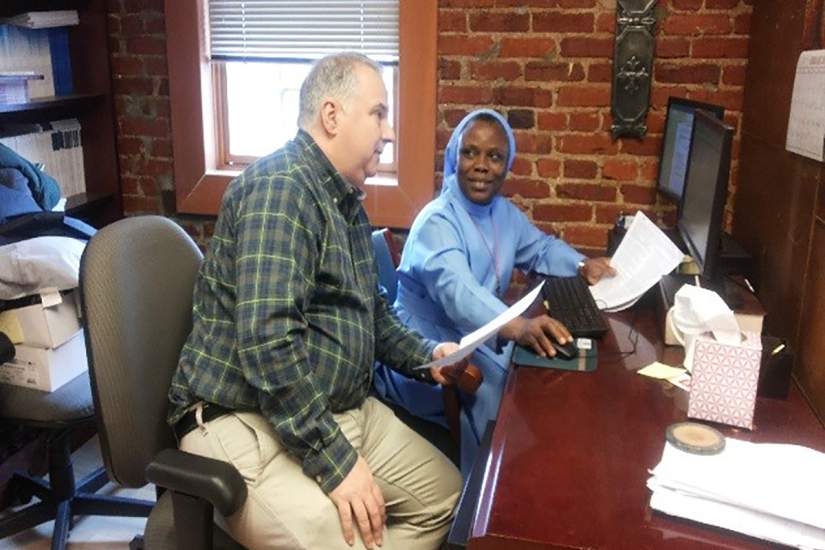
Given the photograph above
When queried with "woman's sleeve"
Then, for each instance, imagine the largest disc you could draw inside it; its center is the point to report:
(439, 263)
(541, 253)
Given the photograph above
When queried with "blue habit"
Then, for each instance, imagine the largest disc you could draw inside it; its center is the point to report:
(447, 288)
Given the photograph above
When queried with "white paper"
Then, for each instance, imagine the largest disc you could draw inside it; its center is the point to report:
(806, 124)
(771, 491)
(734, 518)
(644, 255)
(50, 297)
(470, 342)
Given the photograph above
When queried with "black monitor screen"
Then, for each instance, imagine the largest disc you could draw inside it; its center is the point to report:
(706, 184)
(676, 144)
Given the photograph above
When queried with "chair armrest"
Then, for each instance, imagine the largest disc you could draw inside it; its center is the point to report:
(215, 481)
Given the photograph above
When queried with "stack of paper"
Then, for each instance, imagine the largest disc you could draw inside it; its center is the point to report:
(644, 255)
(769, 491)
(44, 19)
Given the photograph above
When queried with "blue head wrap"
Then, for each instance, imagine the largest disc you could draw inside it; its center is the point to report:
(451, 153)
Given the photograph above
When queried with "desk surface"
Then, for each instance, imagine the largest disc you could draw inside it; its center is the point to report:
(568, 459)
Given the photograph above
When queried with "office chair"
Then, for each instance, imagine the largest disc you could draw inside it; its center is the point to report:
(136, 281)
(388, 258)
(58, 414)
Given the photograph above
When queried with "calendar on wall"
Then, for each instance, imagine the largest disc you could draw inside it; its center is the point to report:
(806, 125)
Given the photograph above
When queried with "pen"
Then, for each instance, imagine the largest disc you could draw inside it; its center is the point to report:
(777, 349)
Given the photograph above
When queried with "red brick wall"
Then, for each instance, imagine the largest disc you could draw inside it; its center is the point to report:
(546, 64)
(141, 87)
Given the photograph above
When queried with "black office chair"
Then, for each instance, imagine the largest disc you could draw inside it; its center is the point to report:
(58, 413)
(136, 281)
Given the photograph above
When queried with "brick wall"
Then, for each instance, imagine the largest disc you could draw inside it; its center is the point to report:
(141, 86)
(546, 64)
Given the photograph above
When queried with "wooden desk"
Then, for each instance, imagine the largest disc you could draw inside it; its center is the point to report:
(569, 454)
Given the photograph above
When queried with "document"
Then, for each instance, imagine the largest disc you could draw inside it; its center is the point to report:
(644, 255)
(806, 124)
(470, 342)
(771, 491)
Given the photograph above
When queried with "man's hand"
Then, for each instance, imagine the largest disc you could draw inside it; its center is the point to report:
(594, 269)
(358, 495)
(448, 374)
(535, 333)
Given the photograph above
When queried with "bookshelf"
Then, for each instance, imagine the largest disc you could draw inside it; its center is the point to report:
(91, 103)
(47, 108)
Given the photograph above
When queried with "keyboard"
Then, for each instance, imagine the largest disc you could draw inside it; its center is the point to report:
(568, 300)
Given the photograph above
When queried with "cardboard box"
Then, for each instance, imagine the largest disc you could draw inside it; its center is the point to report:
(45, 325)
(724, 381)
(46, 369)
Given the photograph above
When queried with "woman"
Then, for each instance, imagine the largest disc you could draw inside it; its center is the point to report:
(456, 267)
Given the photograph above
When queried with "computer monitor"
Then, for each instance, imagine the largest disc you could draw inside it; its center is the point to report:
(676, 144)
(706, 184)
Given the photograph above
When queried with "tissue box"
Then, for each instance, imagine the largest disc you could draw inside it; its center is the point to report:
(45, 325)
(725, 377)
(46, 369)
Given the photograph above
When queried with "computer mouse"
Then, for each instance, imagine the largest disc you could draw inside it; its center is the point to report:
(565, 351)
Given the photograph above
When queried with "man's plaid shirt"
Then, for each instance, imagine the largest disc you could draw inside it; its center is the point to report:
(287, 318)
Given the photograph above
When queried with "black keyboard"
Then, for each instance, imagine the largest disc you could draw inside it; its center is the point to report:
(568, 300)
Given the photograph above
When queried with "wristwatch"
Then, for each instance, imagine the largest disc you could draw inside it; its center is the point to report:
(580, 266)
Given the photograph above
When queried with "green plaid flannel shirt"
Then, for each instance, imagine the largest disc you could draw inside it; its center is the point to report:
(287, 318)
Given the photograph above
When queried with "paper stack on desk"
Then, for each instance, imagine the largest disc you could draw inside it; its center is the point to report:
(769, 491)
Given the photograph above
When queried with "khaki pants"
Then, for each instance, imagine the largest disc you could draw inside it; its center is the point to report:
(285, 509)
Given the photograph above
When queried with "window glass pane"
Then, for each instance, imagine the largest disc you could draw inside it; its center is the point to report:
(262, 106)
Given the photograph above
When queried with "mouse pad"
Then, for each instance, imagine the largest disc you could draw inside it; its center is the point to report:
(585, 362)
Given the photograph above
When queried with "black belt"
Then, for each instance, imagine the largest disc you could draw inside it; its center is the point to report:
(189, 421)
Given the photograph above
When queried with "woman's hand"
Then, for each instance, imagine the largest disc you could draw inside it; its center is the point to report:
(536, 333)
(595, 269)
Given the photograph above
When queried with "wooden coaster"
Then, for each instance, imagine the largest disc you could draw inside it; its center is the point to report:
(696, 438)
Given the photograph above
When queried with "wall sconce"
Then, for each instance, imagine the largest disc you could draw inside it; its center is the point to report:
(632, 67)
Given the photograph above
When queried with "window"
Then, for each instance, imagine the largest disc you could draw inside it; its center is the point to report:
(253, 92)
(214, 138)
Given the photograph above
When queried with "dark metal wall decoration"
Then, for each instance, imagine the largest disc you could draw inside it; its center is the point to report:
(632, 67)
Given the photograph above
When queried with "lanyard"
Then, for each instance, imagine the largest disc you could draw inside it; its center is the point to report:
(492, 251)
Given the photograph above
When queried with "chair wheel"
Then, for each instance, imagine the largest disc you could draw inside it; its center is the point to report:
(19, 492)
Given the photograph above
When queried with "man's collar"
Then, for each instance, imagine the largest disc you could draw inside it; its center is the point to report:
(344, 194)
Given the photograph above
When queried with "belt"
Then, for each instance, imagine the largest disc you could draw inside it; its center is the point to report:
(189, 421)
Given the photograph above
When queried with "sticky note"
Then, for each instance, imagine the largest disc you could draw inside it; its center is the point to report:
(661, 371)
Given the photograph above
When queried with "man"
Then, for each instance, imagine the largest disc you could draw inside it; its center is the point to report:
(287, 325)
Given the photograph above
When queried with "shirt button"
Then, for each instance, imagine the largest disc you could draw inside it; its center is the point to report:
(318, 479)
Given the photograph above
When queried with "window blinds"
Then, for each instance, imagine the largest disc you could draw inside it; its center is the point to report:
(296, 30)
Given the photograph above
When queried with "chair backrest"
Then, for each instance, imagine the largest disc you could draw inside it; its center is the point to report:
(388, 258)
(136, 281)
